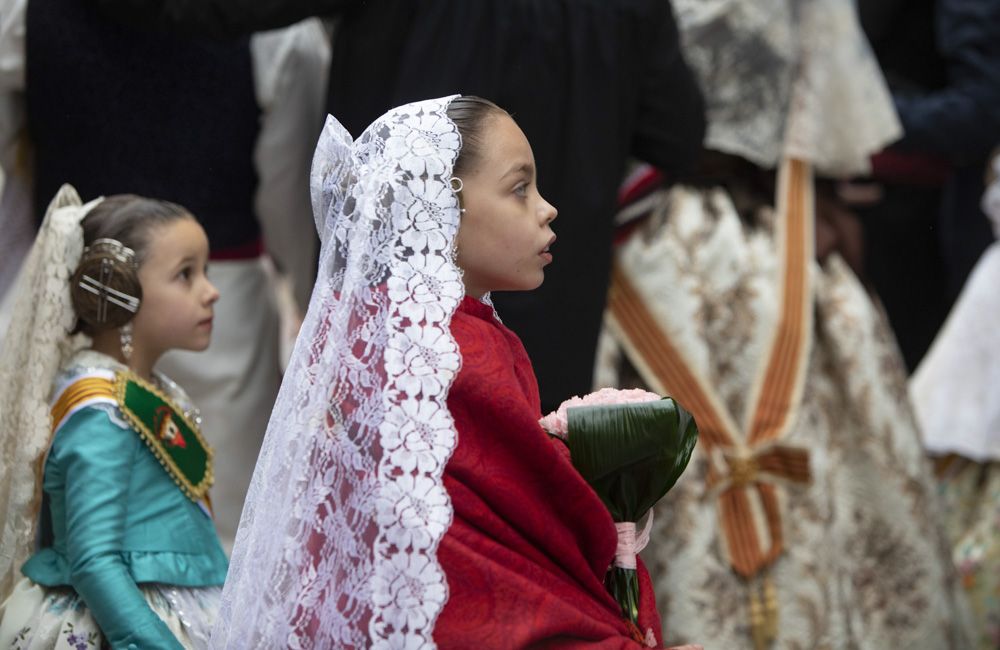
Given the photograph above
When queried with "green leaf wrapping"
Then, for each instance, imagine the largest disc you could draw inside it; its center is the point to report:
(631, 454)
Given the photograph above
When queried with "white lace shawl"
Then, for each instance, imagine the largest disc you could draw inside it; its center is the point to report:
(337, 543)
(788, 78)
(35, 348)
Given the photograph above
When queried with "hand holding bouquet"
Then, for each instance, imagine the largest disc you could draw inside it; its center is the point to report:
(630, 446)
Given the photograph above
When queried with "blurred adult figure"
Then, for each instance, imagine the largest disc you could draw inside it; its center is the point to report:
(590, 82)
(17, 229)
(807, 518)
(225, 127)
(924, 229)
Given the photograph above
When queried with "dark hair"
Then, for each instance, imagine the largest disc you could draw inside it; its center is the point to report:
(469, 113)
(128, 219)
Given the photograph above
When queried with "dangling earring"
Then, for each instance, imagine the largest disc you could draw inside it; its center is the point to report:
(456, 185)
(125, 335)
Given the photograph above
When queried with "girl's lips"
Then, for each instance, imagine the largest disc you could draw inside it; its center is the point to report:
(545, 254)
(207, 322)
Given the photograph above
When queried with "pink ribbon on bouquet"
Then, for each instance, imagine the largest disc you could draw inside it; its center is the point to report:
(628, 544)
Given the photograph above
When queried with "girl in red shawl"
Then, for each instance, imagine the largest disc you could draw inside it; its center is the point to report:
(406, 496)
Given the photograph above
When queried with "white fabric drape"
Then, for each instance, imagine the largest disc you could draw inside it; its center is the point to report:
(956, 388)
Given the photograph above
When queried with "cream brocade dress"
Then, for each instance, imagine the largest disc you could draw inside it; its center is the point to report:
(866, 563)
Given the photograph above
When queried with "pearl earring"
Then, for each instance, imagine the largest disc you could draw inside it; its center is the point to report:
(125, 336)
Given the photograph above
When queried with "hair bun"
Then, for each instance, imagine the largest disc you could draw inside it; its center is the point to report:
(105, 287)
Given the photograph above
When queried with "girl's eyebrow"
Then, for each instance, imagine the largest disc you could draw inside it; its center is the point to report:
(526, 168)
(187, 259)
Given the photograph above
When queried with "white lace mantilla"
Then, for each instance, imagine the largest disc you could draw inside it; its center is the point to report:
(338, 541)
(36, 346)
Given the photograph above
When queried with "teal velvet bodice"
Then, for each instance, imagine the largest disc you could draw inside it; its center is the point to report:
(118, 519)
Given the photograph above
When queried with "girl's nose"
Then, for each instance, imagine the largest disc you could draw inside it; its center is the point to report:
(212, 294)
(549, 211)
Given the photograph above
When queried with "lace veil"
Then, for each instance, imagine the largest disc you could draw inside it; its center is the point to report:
(790, 78)
(35, 347)
(337, 543)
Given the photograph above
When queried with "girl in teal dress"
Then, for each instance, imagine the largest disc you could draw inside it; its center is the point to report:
(108, 539)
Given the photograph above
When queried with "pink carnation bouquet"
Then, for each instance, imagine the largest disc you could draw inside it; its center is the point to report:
(631, 446)
(556, 423)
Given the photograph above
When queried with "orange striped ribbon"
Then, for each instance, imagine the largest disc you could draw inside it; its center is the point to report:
(78, 392)
(742, 467)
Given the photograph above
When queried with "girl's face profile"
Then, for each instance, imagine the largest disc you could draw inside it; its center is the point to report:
(177, 297)
(504, 234)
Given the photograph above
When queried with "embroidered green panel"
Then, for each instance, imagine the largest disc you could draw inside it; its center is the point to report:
(171, 436)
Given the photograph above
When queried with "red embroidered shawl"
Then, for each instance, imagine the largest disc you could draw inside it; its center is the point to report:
(530, 543)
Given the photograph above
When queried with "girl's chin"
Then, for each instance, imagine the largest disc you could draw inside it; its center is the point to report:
(529, 284)
(199, 345)
(520, 282)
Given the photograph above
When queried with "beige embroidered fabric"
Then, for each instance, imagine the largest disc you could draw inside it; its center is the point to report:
(788, 78)
(866, 563)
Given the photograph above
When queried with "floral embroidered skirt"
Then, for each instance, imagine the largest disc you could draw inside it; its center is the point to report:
(971, 493)
(43, 618)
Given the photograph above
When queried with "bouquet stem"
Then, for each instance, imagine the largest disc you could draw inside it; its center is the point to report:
(623, 585)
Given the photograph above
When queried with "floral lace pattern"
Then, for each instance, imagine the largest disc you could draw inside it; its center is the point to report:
(337, 544)
(34, 349)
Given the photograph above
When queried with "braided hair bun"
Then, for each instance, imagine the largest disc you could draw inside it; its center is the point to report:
(105, 287)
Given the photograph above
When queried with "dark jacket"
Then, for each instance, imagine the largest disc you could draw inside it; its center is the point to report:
(942, 61)
(961, 123)
(591, 83)
(116, 110)
(959, 120)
